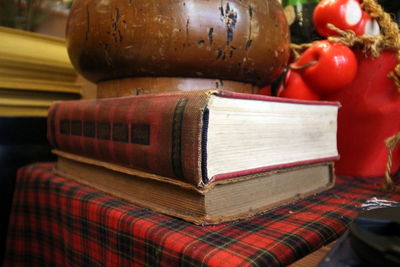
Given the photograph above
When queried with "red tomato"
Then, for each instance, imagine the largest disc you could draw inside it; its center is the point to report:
(367, 26)
(327, 67)
(344, 14)
(296, 88)
(266, 90)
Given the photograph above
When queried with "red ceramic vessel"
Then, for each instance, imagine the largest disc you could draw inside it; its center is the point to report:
(370, 114)
(296, 88)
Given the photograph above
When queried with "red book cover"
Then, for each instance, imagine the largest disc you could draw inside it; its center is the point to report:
(154, 133)
(164, 134)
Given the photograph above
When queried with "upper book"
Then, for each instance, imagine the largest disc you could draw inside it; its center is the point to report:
(197, 136)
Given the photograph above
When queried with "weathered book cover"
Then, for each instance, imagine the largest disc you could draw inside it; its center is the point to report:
(164, 134)
(219, 201)
(155, 133)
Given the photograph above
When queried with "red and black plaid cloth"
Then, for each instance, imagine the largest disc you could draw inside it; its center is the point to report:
(58, 222)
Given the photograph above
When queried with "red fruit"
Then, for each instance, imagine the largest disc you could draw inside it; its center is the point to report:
(327, 67)
(296, 88)
(344, 14)
(266, 90)
(367, 26)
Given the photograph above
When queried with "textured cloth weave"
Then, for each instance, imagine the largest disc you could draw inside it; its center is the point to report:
(56, 221)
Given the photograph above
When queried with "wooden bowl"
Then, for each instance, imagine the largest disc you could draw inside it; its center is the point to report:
(245, 41)
(138, 86)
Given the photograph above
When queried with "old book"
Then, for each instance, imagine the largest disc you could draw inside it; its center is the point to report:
(218, 201)
(197, 136)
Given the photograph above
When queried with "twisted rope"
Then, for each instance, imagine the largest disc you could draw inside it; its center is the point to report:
(389, 185)
(297, 49)
(389, 39)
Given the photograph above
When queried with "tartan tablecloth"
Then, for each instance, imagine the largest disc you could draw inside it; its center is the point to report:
(59, 222)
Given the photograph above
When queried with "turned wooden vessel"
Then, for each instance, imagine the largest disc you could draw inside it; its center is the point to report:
(138, 86)
(244, 41)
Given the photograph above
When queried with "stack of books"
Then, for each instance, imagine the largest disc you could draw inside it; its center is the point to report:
(206, 156)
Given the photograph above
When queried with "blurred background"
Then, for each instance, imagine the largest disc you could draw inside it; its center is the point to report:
(34, 71)
(43, 16)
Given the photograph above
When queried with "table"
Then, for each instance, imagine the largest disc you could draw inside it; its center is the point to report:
(22, 141)
(56, 221)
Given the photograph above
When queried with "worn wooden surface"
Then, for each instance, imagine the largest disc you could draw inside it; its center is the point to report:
(138, 86)
(239, 40)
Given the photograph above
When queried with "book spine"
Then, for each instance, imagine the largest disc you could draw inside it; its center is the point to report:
(157, 134)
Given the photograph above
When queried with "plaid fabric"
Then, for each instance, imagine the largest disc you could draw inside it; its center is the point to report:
(56, 221)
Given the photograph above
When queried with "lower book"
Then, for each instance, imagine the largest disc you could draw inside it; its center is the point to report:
(220, 201)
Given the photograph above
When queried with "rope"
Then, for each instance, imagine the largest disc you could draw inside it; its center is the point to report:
(297, 49)
(389, 28)
(391, 143)
(371, 45)
(389, 39)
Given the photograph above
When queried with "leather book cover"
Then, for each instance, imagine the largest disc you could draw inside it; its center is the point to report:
(160, 134)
